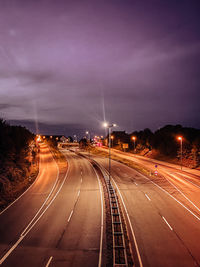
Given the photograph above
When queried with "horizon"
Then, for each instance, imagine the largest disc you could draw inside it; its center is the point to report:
(78, 64)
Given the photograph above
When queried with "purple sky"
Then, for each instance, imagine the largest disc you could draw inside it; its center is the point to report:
(63, 62)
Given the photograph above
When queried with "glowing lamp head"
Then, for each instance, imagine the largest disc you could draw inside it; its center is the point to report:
(133, 138)
(180, 138)
(87, 132)
(112, 137)
(105, 124)
(114, 125)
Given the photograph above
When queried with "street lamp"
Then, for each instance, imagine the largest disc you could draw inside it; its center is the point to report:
(180, 138)
(109, 126)
(87, 132)
(112, 137)
(134, 138)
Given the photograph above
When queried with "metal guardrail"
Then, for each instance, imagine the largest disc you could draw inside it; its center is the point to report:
(119, 247)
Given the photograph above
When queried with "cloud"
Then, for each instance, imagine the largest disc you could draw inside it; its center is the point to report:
(57, 59)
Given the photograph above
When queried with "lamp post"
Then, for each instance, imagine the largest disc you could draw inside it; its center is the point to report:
(112, 137)
(109, 126)
(134, 138)
(180, 138)
(87, 132)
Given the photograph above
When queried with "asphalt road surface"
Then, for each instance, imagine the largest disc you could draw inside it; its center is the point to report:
(163, 211)
(58, 221)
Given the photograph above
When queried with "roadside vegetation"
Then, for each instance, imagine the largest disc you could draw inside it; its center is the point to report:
(163, 144)
(18, 161)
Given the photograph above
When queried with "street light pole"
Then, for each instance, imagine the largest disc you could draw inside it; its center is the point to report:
(109, 133)
(181, 144)
(133, 138)
(112, 137)
(88, 133)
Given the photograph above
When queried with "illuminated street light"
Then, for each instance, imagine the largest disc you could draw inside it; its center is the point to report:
(112, 138)
(87, 132)
(134, 138)
(180, 138)
(109, 126)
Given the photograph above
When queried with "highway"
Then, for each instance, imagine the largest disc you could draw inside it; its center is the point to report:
(59, 220)
(164, 215)
(184, 183)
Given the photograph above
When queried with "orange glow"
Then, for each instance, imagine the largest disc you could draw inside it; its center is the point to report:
(133, 138)
(180, 138)
(112, 137)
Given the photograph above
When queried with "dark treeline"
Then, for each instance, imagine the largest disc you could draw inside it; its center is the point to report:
(17, 152)
(163, 142)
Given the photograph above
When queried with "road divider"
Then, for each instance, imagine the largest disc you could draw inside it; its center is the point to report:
(115, 224)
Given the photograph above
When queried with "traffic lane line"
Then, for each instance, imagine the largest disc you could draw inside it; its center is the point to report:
(102, 219)
(190, 201)
(49, 261)
(30, 226)
(70, 216)
(167, 223)
(147, 197)
(39, 173)
(166, 192)
(44, 203)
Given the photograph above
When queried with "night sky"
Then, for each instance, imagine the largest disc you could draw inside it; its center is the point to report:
(65, 66)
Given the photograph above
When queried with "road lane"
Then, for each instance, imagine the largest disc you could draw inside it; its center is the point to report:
(184, 184)
(17, 216)
(158, 244)
(69, 232)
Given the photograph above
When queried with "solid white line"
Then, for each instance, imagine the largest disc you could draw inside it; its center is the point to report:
(147, 197)
(10, 250)
(167, 223)
(81, 180)
(70, 215)
(102, 212)
(81, 173)
(79, 193)
(198, 218)
(133, 234)
(49, 261)
(188, 180)
(28, 230)
(24, 191)
(44, 203)
(52, 195)
(182, 193)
